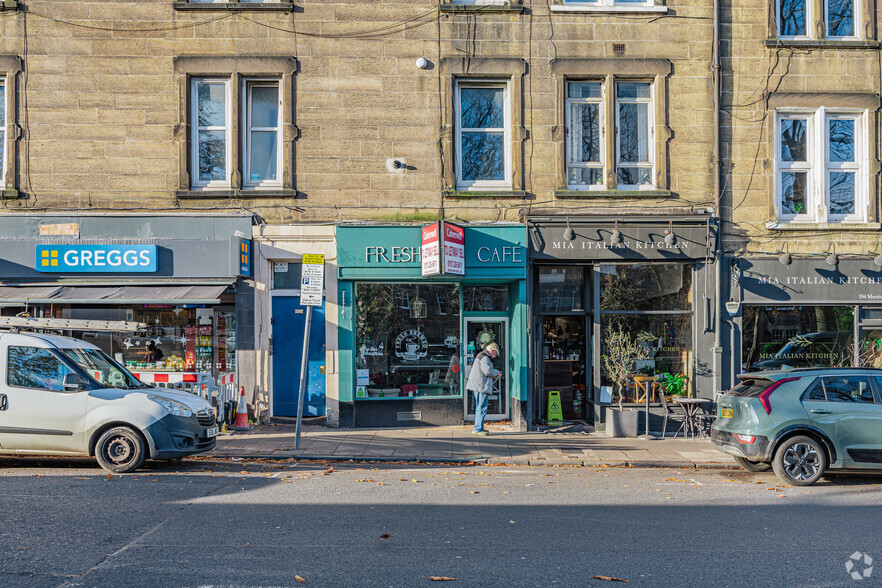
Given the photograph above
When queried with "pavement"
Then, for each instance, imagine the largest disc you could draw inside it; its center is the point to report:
(457, 445)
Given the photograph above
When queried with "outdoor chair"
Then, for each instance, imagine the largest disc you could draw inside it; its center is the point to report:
(671, 410)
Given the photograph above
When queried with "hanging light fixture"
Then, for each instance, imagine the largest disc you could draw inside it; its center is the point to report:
(785, 258)
(670, 237)
(569, 234)
(616, 237)
(877, 261)
(832, 257)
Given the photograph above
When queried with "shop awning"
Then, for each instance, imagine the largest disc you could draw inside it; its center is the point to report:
(112, 294)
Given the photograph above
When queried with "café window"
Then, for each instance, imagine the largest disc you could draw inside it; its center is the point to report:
(646, 328)
(561, 289)
(782, 337)
(407, 340)
(485, 299)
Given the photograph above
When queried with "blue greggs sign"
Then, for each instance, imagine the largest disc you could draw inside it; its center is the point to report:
(83, 259)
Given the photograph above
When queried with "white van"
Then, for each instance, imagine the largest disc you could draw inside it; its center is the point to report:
(63, 396)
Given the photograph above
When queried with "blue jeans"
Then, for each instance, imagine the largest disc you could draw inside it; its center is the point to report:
(481, 401)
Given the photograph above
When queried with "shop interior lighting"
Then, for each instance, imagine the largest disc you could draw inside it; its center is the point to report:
(832, 258)
(616, 237)
(569, 234)
(670, 237)
(785, 258)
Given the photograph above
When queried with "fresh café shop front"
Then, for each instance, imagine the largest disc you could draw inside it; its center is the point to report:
(408, 340)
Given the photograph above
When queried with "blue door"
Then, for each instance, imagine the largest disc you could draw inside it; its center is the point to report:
(289, 319)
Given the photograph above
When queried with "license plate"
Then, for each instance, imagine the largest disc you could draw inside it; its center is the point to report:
(212, 432)
(726, 413)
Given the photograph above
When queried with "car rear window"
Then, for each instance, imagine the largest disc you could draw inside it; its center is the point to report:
(750, 388)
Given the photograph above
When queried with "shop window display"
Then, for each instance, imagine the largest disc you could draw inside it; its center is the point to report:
(561, 289)
(781, 337)
(564, 363)
(646, 330)
(407, 340)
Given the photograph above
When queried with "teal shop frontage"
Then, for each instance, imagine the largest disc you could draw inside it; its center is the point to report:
(407, 342)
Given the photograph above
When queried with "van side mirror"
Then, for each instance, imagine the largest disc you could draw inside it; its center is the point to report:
(73, 383)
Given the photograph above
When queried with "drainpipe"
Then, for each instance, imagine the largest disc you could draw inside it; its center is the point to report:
(718, 318)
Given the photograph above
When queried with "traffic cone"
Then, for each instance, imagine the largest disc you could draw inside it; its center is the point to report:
(241, 421)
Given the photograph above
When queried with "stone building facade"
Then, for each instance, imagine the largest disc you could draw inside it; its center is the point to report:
(595, 117)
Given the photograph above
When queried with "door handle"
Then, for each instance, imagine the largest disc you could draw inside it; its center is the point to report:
(4, 403)
(821, 411)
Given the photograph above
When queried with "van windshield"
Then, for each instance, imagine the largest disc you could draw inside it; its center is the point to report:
(102, 369)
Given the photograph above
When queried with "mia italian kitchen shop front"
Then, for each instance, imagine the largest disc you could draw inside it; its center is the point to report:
(183, 277)
(795, 312)
(619, 304)
(408, 340)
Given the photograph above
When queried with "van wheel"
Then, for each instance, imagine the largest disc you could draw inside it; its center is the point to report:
(120, 450)
(753, 466)
(800, 461)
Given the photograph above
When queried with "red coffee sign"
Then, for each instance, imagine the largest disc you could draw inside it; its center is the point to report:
(442, 250)
(454, 249)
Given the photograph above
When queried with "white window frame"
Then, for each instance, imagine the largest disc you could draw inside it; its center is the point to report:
(247, 129)
(3, 127)
(570, 161)
(809, 21)
(612, 3)
(650, 123)
(819, 166)
(505, 183)
(194, 134)
(480, 2)
(856, 7)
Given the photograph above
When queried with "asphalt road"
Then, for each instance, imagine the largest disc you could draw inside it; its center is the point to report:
(210, 523)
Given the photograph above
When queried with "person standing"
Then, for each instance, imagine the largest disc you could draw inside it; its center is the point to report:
(481, 383)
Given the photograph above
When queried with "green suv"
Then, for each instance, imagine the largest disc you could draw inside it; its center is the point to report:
(802, 422)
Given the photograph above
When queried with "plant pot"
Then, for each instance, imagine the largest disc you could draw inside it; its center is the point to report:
(621, 423)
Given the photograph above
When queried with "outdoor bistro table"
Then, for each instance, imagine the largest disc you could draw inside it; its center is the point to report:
(690, 408)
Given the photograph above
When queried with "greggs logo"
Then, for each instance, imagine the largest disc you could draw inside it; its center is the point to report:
(96, 258)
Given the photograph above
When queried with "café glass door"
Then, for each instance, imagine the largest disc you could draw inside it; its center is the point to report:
(480, 332)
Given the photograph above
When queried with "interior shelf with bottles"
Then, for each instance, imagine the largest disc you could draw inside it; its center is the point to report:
(564, 366)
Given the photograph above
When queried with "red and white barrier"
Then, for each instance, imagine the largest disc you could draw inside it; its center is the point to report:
(200, 384)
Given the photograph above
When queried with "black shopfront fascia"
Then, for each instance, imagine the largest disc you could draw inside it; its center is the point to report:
(589, 242)
(806, 283)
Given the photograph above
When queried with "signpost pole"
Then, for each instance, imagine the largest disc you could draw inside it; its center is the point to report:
(312, 283)
(304, 364)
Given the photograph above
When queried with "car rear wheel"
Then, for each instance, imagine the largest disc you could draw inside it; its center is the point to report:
(753, 466)
(800, 461)
(120, 450)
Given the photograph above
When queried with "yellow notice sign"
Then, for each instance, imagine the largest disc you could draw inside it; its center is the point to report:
(313, 259)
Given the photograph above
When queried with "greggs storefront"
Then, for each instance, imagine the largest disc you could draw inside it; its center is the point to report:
(416, 306)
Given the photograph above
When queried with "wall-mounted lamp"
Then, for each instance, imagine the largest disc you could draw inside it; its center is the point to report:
(785, 258)
(877, 261)
(670, 237)
(616, 237)
(832, 258)
(569, 234)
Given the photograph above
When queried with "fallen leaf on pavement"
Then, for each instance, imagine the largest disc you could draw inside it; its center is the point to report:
(441, 578)
(299, 579)
(328, 471)
(109, 477)
(673, 480)
(611, 579)
(474, 492)
(385, 536)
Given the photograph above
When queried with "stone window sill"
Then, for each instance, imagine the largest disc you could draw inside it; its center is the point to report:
(618, 194)
(8, 5)
(10, 194)
(234, 194)
(521, 194)
(236, 6)
(508, 7)
(821, 44)
(790, 226)
(573, 7)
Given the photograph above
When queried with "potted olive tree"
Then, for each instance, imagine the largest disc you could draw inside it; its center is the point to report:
(620, 350)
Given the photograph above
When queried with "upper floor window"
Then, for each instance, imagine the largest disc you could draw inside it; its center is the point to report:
(611, 2)
(212, 157)
(821, 159)
(2, 126)
(483, 130)
(586, 131)
(796, 18)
